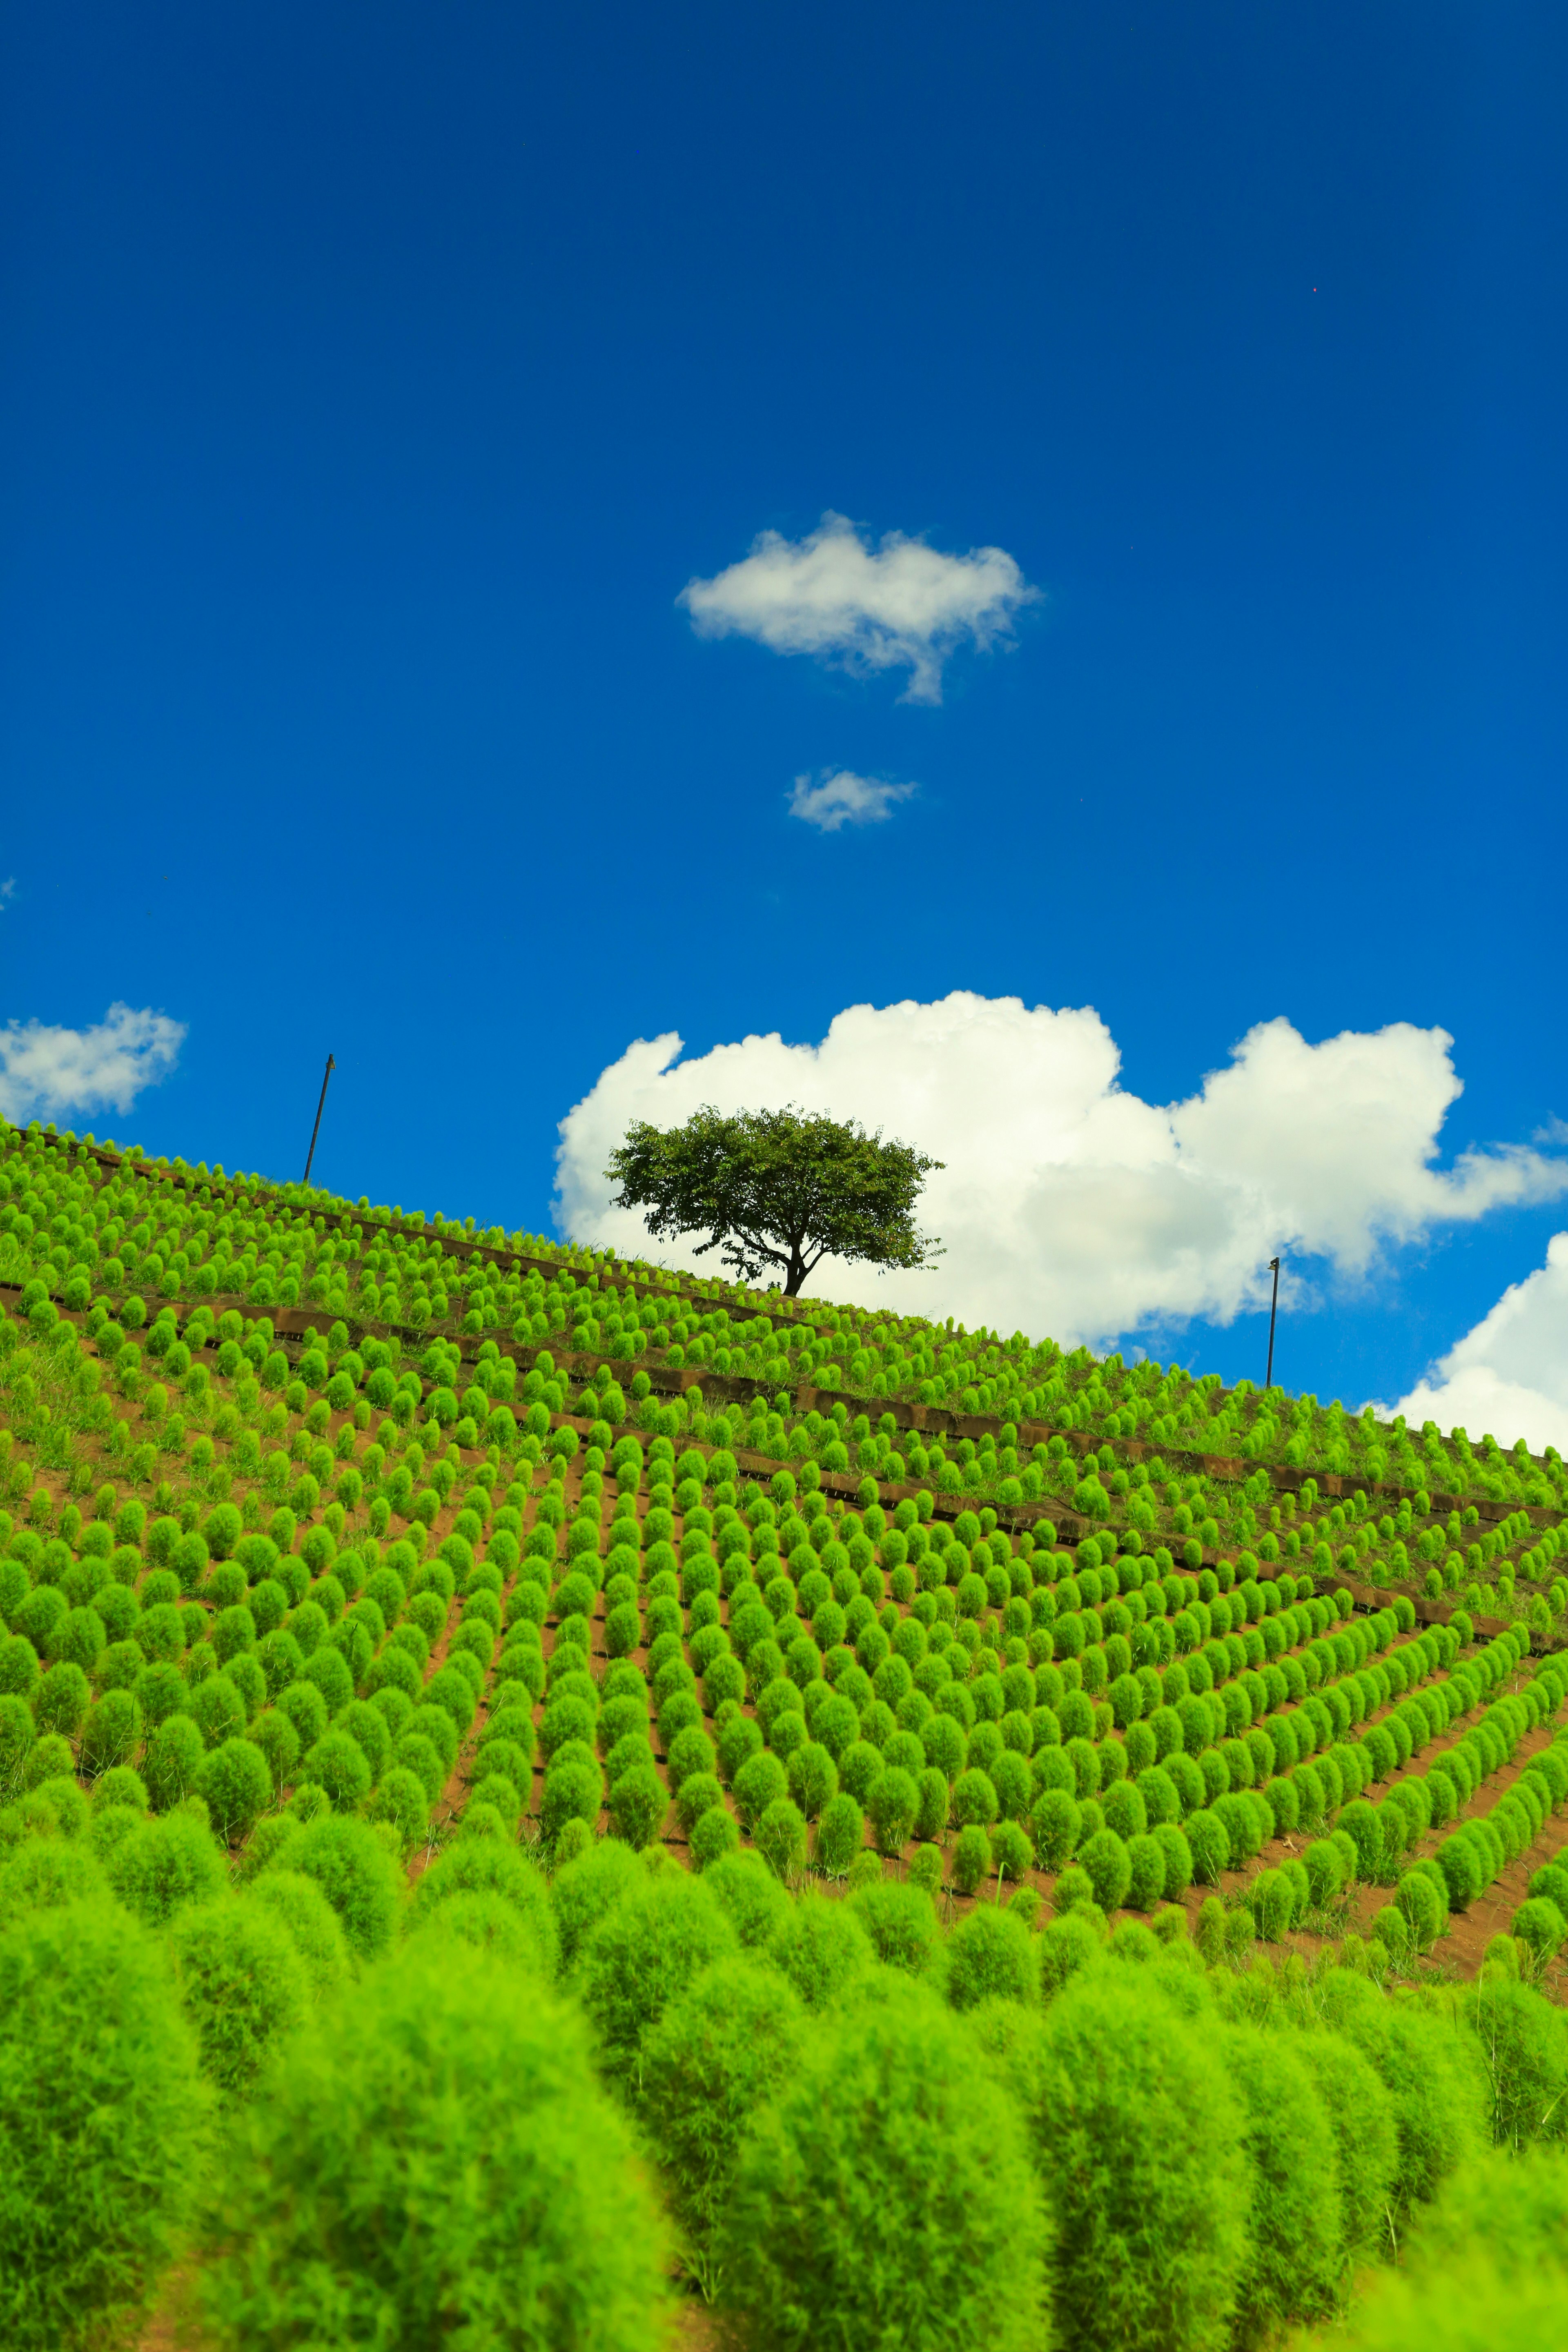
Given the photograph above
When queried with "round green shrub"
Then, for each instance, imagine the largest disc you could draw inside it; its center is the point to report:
(1360, 2117)
(242, 1985)
(638, 1803)
(312, 1924)
(902, 1922)
(643, 1952)
(1520, 2036)
(1105, 1858)
(164, 1865)
(1292, 2271)
(971, 1858)
(1433, 2076)
(1540, 1927)
(49, 1759)
(484, 1867)
(61, 1701)
(820, 1945)
(358, 1876)
(100, 2117)
(713, 1834)
(721, 2052)
(46, 1872)
(583, 1889)
(1145, 1872)
(840, 1835)
(324, 2227)
(991, 1956)
(1208, 1845)
(235, 1784)
(112, 1733)
(574, 1791)
(748, 1893)
(1068, 1942)
(885, 2197)
(1142, 2143)
(780, 1837)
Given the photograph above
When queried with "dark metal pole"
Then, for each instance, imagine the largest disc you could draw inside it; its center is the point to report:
(321, 1107)
(1274, 1309)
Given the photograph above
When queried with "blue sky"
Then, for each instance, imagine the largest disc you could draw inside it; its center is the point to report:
(377, 381)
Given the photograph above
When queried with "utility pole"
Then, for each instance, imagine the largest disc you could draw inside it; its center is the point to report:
(321, 1107)
(1273, 1311)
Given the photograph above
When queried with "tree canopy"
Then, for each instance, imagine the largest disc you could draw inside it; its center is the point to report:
(776, 1189)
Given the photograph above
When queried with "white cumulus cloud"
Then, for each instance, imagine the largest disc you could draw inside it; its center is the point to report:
(46, 1071)
(1069, 1206)
(1509, 1376)
(900, 604)
(839, 798)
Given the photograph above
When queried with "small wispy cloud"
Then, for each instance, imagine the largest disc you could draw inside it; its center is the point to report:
(838, 797)
(7, 892)
(44, 1069)
(898, 606)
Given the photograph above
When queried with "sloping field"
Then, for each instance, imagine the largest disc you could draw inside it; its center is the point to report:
(974, 1708)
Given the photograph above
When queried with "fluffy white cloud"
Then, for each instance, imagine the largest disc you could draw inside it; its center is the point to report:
(839, 799)
(1509, 1375)
(1069, 1206)
(48, 1071)
(899, 606)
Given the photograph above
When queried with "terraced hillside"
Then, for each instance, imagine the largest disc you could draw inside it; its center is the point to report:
(458, 1528)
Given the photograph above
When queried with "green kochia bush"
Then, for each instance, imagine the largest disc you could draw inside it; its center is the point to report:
(991, 1956)
(451, 2174)
(1141, 2138)
(718, 2054)
(885, 2199)
(644, 1952)
(358, 1876)
(101, 2109)
(242, 1984)
(484, 1867)
(1292, 2265)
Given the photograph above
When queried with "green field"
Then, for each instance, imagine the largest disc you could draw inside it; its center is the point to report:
(551, 1801)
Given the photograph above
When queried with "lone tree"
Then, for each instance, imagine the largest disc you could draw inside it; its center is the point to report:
(777, 1187)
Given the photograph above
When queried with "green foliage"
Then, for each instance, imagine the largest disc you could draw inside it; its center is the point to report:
(358, 1876)
(641, 1955)
(1523, 2046)
(1142, 2141)
(172, 1760)
(164, 1865)
(433, 2165)
(100, 2117)
(311, 1922)
(781, 1838)
(902, 1922)
(242, 1985)
(885, 2199)
(720, 2053)
(840, 1835)
(235, 1785)
(991, 1956)
(1432, 2073)
(821, 1946)
(1105, 1858)
(776, 1188)
(484, 1867)
(585, 1889)
(748, 1893)
(1292, 2267)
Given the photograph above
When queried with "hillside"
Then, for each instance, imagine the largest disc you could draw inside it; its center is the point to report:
(712, 1491)
(316, 1511)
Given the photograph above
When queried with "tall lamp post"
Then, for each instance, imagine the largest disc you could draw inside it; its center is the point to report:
(321, 1107)
(1273, 1311)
